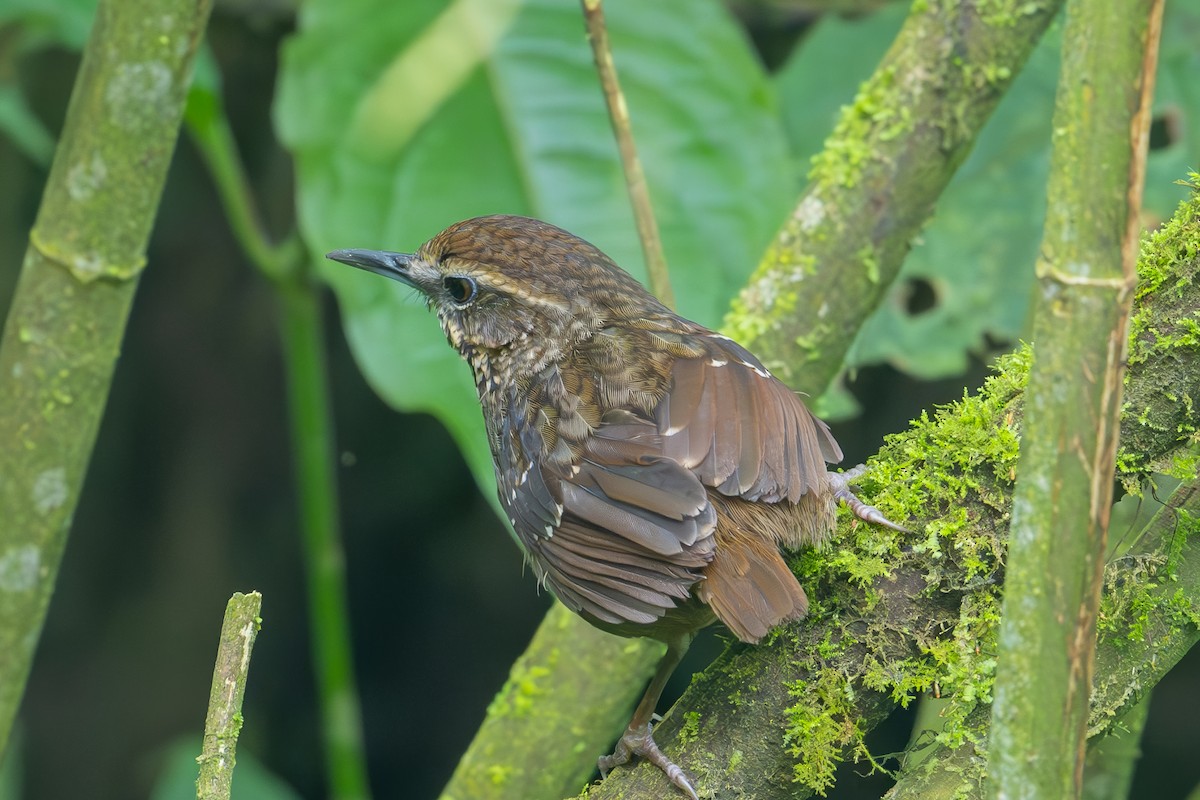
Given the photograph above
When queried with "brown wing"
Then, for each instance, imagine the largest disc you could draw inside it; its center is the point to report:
(742, 430)
(617, 520)
(615, 530)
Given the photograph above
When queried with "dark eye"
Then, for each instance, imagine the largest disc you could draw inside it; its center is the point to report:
(460, 289)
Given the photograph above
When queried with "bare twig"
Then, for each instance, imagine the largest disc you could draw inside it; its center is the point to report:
(635, 178)
(224, 721)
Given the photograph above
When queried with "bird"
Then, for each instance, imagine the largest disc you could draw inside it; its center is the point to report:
(651, 468)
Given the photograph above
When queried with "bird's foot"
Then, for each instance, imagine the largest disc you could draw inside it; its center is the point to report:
(867, 513)
(637, 741)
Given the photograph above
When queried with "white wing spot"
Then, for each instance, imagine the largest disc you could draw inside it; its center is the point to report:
(714, 362)
(549, 531)
(720, 336)
(759, 371)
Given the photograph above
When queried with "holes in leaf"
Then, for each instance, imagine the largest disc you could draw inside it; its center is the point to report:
(919, 296)
(1165, 129)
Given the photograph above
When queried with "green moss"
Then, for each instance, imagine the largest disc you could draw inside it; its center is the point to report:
(876, 115)
(960, 458)
(753, 313)
(1134, 606)
(819, 726)
(499, 774)
(690, 730)
(521, 690)
(1165, 338)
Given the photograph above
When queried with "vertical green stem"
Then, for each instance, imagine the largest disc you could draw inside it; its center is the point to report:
(302, 332)
(64, 329)
(303, 329)
(1063, 495)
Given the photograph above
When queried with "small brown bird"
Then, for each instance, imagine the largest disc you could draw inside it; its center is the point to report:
(651, 467)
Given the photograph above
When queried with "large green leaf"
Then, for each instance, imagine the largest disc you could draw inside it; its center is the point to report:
(405, 117)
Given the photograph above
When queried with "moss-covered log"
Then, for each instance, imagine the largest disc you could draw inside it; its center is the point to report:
(897, 615)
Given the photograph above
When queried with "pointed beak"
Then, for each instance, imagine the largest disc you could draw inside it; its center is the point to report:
(381, 262)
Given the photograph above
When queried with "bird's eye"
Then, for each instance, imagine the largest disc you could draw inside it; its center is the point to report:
(460, 289)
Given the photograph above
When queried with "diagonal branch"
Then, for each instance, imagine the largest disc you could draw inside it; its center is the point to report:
(64, 329)
(874, 186)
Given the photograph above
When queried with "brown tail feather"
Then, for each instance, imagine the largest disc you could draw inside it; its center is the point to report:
(750, 588)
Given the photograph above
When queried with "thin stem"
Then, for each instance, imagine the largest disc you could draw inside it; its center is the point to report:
(635, 178)
(303, 329)
(303, 334)
(209, 127)
(224, 720)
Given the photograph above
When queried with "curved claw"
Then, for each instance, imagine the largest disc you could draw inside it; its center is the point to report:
(639, 742)
(867, 513)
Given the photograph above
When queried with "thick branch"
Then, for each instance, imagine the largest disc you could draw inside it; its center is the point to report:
(549, 706)
(1146, 627)
(875, 184)
(63, 332)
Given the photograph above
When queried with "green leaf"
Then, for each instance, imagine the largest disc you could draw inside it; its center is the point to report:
(38, 24)
(251, 780)
(25, 129)
(63, 23)
(406, 117)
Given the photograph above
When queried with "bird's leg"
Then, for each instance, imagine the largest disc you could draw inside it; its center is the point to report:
(637, 739)
(867, 513)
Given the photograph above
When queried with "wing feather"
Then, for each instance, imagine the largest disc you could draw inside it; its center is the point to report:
(620, 524)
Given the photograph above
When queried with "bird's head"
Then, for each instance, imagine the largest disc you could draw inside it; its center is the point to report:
(513, 288)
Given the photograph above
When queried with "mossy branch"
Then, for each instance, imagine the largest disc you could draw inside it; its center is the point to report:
(898, 615)
(874, 186)
(64, 329)
(548, 706)
(223, 722)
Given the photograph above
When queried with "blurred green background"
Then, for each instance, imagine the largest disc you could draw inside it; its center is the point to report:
(190, 494)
